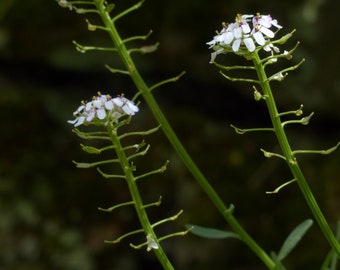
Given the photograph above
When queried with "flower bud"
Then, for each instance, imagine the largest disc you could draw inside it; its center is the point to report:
(257, 95)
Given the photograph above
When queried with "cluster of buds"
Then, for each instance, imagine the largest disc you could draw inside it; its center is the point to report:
(244, 33)
(102, 109)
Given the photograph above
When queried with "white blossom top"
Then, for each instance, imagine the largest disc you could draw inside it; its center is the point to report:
(104, 108)
(246, 31)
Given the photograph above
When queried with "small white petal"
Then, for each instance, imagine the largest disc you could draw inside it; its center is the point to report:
(267, 32)
(211, 43)
(274, 22)
(249, 44)
(265, 21)
(255, 21)
(236, 45)
(109, 105)
(90, 116)
(219, 38)
(273, 60)
(126, 108)
(231, 27)
(288, 56)
(268, 47)
(278, 77)
(102, 98)
(276, 49)
(247, 16)
(88, 106)
(134, 107)
(228, 38)
(259, 38)
(80, 108)
(151, 243)
(246, 28)
(80, 121)
(130, 108)
(237, 32)
(97, 103)
(101, 113)
(72, 121)
(118, 101)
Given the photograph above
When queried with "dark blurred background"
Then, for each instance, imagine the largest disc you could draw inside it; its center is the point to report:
(48, 208)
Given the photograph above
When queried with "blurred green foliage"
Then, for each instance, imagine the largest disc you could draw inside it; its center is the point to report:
(48, 208)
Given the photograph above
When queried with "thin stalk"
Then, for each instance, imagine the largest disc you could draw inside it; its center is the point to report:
(289, 155)
(170, 134)
(136, 198)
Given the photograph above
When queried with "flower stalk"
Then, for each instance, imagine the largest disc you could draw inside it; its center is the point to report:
(138, 203)
(240, 38)
(110, 114)
(241, 34)
(290, 156)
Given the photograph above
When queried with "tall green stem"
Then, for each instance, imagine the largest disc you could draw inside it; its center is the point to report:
(290, 158)
(158, 114)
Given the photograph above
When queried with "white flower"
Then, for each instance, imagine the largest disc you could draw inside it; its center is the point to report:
(151, 243)
(246, 31)
(279, 76)
(261, 24)
(265, 21)
(235, 34)
(271, 47)
(288, 56)
(101, 107)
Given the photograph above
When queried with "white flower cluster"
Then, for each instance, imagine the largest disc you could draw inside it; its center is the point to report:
(101, 107)
(241, 33)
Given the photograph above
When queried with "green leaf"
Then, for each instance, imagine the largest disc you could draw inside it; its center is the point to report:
(210, 232)
(293, 238)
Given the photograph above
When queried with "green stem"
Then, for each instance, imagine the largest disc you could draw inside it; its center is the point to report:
(289, 155)
(158, 114)
(136, 198)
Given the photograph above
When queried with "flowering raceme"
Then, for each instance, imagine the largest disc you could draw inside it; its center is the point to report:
(103, 108)
(246, 31)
